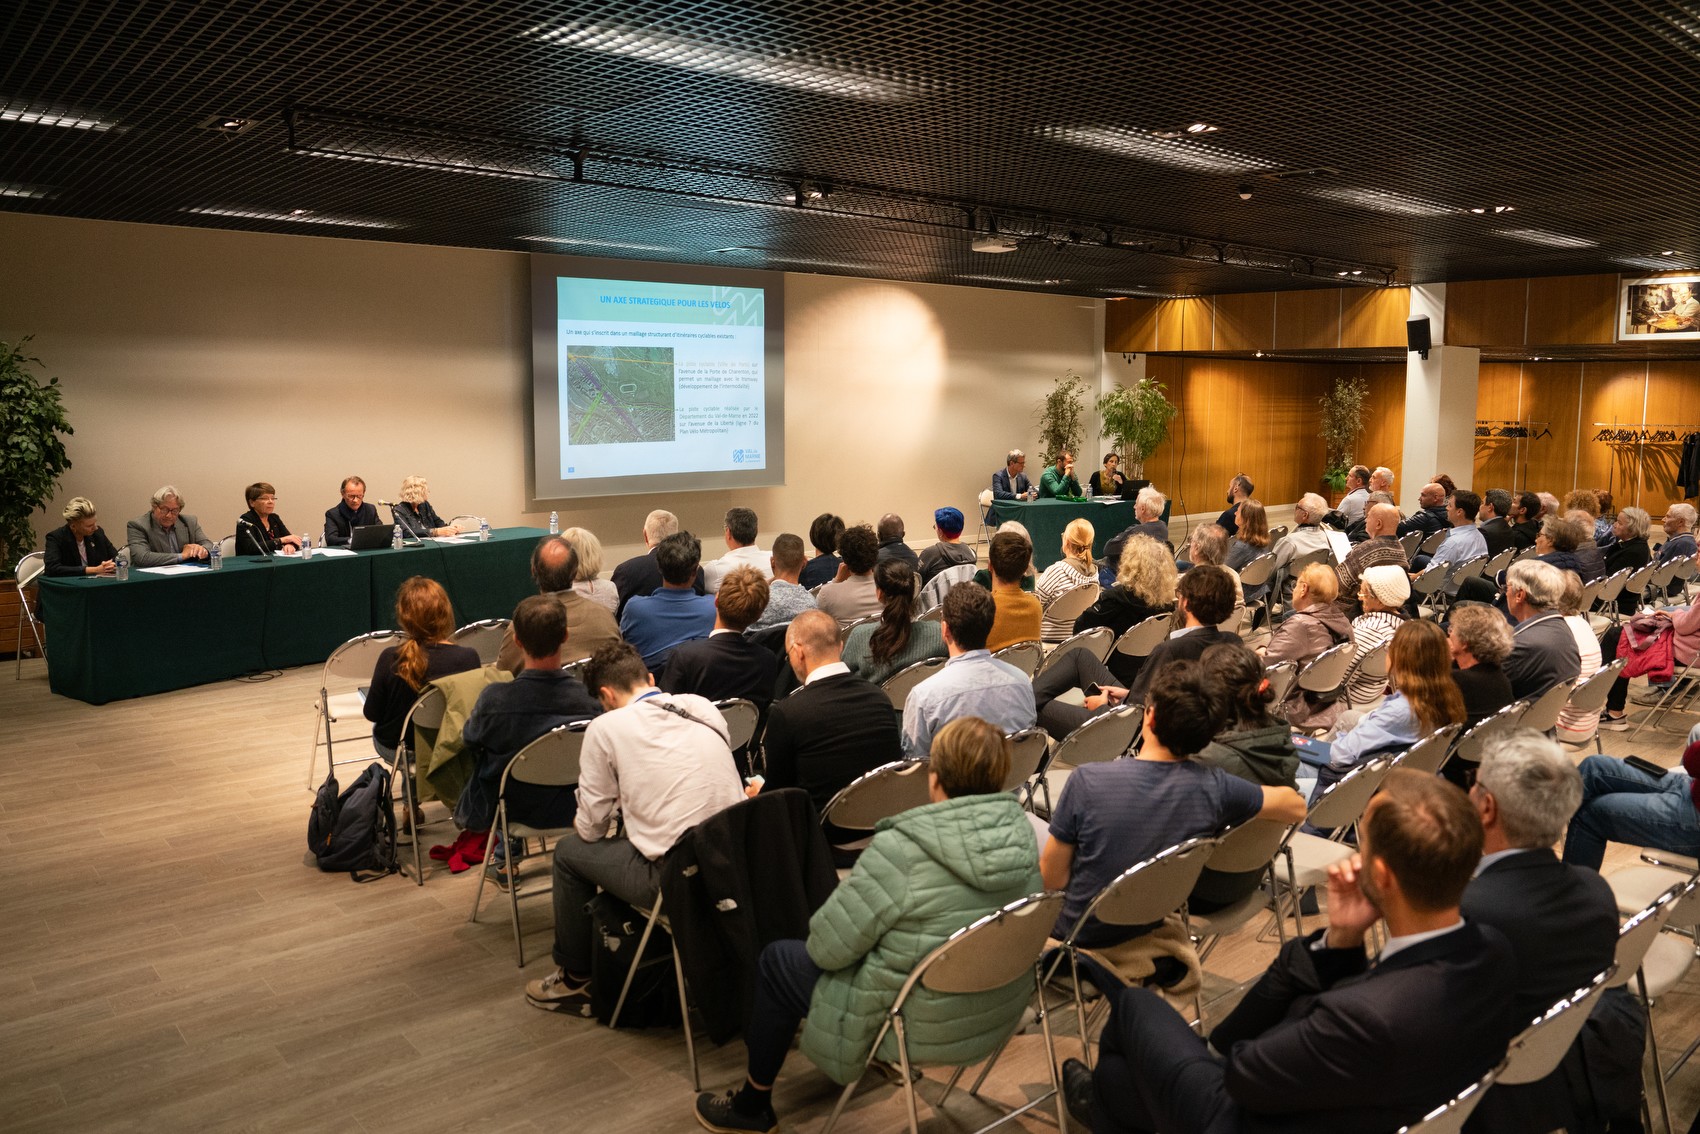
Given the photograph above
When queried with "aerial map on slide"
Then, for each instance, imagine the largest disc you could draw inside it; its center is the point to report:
(619, 394)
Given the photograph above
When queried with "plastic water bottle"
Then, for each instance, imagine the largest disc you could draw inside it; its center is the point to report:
(554, 523)
(483, 530)
(395, 540)
(306, 547)
(121, 565)
(215, 555)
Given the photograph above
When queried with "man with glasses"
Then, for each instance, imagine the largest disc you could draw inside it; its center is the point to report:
(166, 534)
(351, 512)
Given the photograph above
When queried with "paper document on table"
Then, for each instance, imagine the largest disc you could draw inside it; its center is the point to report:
(471, 537)
(174, 569)
(332, 552)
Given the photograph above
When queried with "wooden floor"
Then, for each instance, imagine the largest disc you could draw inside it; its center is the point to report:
(174, 961)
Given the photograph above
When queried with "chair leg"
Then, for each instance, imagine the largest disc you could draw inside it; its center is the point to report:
(1080, 1009)
(838, 1108)
(1653, 1046)
(909, 1083)
(512, 868)
(950, 1083)
(685, 1017)
(637, 957)
(992, 1060)
(1051, 1060)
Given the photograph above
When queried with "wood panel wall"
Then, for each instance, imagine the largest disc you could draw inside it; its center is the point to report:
(1315, 319)
(1543, 311)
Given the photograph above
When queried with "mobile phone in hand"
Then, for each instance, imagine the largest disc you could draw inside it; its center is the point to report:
(1093, 690)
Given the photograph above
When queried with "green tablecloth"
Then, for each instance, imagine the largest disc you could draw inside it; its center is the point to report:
(107, 640)
(1046, 519)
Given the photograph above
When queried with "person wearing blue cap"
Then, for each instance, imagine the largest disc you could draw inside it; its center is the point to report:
(949, 550)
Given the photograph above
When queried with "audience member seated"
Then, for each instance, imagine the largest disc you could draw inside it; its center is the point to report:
(1306, 536)
(1251, 539)
(1357, 533)
(1204, 597)
(741, 550)
(427, 621)
(80, 547)
(1145, 586)
(1314, 626)
(1382, 593)
(554, 565)
(166, 534)
(852, 595)
(949, 551)
(656, 623)
(1678, 523)
(1463, 541)
(1108, 480)
(1356, 500)
(1628, 551)
(1685, 645)
(1076, 670)
(1604, 516)
(1116, 814)
(1480, 640)
(983, 576)
(972, 683)
(1557, 542)
(1424, 698)
(1379, 548)
(1430, 516)
(1019, 614)
(786, 596)
(1445, 482)
(1561, 921)
(1148, 521)
(1588, 501)
(587, 581)
(640, 575)
(1308, 1047)
(663, 763)
(927, 873)
(260, 530)
(1495, 528)
(823, 535)
(1590, 560)
(893, 543)
(508, 716)
(1381, 480)
(1010, 482)
(1544, 651)
(835, 727)
(1525, 520)
(1239, 488)
(1058, 481)
(1622, 804)
(350, 512)
(726, 664)
(877, 650)
(1573, 726)
(1208, 544)
(416, 515)
(1073, 571)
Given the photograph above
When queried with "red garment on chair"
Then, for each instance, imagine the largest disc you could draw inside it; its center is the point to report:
(1647, 644)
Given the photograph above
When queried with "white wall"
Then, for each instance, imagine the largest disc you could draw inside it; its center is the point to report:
(212, 359)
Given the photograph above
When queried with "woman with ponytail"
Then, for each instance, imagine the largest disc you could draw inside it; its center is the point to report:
(426, 618)
(877, 650)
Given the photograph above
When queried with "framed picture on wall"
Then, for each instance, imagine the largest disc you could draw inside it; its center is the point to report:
(1666, 306)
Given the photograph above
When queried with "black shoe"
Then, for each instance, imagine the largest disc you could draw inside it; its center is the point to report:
(1078, 1093)
(715, 1113)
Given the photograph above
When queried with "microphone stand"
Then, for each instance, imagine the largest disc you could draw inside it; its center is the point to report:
(409, 538)
(261, 539)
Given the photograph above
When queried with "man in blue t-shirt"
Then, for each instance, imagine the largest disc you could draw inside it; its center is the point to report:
(675, 613)
(1114, 815)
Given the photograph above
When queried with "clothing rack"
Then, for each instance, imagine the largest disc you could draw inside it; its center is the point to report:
(1643, 433)
(1494, 428)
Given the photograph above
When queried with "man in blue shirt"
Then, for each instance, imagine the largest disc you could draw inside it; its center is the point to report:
(1463, 543)
(675, 613)
(972, 683)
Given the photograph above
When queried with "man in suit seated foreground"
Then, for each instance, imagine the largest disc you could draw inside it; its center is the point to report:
(1326, 1041)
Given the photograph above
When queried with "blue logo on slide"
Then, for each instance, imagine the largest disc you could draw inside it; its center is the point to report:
(570, 470)
(737, 456)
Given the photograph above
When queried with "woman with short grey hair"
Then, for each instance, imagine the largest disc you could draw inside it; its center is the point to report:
(1629, 551)
(1480, 639)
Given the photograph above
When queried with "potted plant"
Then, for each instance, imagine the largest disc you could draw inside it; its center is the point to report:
(1059, 418)
(1136, 420)
(32, 458)
(1342, 424)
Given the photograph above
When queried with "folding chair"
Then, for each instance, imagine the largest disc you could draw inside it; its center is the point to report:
(935, 614)
(575, 669)
(1070, 605)
(1429, 754)
(484, 636)
(1139, 640)
(1498, 563)
(1542, 715)
(1260, 572)
(1410, 541)
(899, 685)
(1327, 671)
(1146, 892)
(993, 952)
(227, 546)
(1466, 570)
(1371, 665)
(1253, 845)
(1635, 887)
(29, 570)
(1470, 745)
(1278, 533)
(1281, 677)
(1426, 586)
(1026, 656)
(354, 660)
(1104, 737)
(1096, 640)
(1309, 856)
(1636, 942)
(742, 717)
(1450, 1118)
(889, 789)
(653, 917)
(1639, 580)
(1028, 749)
(1677, 695)
(1431, 543)
(1539, 1048)
(552, 760)
(866, 620)
(1605, 601)
(426, 712)
(1590, 697)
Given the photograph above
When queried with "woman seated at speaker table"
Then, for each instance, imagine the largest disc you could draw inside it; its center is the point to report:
(1074, 570)
(260, 530)
(877, 650)
(80, 547)
(415, 514)
(588, 548)
(1108, 480)
(423, 612)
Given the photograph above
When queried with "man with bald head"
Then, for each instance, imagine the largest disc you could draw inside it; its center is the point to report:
(1380, 549)
(836, 726)
(893, 545)
(554, 565)
(641, 574)
(1307, 535)
(1431, 516)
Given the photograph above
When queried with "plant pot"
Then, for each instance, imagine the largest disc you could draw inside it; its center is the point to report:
(10, 615)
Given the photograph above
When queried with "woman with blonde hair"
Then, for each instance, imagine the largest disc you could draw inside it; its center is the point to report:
(1073, 570)
(80, 547)
(427, 621)
(415, 514)
(1145, 585)
(588, 549)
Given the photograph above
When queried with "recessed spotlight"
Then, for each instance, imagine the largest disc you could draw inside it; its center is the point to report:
(297, 212)
(1478, 212)
(1259, 354)
(1505, 208)
(1202, 128)
(227, 124)
(1056, 281)
(1342, 273)
(1668, 252)
(1357, 271)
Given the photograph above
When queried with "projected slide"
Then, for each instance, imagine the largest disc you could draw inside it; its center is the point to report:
(659, 378)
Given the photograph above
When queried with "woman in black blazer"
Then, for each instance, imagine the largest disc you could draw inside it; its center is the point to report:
(1629, 551)
(80, 547)
(260, 530)
(415, 514)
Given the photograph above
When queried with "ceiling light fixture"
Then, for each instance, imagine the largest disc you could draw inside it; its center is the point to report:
(991, 242)
(227, 124)
(24, 192)
(1668, 252)
(1381, 201)
(1171, 150)
(294, 216)
(1202, 128)
(592, 242)
(1244, 192)
(65, 118)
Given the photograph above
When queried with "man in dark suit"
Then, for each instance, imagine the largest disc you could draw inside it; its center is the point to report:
(1326, 1042)
(836, 726)
(80, 547)
(1525, 520)
(1543, 651)
(1009, 482)
(1562, 924)
(641, 575)
(1495, 528)
(727, 664)
(350, 512)
(1205, 597)
(166, 534)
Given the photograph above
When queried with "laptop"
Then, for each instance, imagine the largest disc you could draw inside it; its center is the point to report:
(369, 537)
(1132, 488)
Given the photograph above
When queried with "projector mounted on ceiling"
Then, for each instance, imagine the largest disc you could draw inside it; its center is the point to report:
(995, 243)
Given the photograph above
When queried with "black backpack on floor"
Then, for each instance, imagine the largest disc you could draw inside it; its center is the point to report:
(355, 830)
(654, 999)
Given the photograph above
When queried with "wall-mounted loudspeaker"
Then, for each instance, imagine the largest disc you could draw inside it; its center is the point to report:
(1416, 335)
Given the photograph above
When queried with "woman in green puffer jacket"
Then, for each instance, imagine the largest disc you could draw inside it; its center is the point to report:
(926, 874)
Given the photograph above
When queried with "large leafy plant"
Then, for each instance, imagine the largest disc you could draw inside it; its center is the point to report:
(1059, 418)
(1136, 420)
(32, 457)
(1342, 424)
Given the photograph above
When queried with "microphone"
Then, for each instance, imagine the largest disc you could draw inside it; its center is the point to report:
(261, 540)
(385, 503)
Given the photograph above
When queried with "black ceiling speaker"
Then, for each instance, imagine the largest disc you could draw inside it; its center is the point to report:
(1416, 335)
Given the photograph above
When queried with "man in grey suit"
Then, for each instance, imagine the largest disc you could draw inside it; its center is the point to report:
(165, 535)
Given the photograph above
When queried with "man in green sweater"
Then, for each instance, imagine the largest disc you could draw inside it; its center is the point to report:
(1059, 482)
